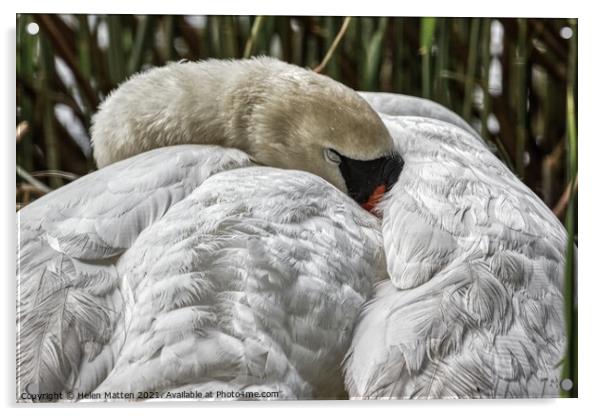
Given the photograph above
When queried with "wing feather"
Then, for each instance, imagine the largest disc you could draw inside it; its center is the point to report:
(474, 305)
(69, 242)
(247, 282)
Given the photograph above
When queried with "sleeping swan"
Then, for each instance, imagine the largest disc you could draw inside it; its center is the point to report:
(181, 265)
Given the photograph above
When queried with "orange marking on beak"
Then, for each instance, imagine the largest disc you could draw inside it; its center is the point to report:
(376, 196)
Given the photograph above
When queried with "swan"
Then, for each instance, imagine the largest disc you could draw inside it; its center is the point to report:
(191, 261)
(465, 267)
(473, 306)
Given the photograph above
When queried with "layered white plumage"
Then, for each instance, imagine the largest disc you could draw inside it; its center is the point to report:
(159, 273)
(186, 268)
(474, 304)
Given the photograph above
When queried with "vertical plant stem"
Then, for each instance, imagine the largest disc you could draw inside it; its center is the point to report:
(398, 54)
(26, 47)
(521, 97)
(373, 53)
(253, 38)
(214, 37)
(99, 61)
(228, 33)
(442, 63)
(471, 67)
(50, 139)
(486, 62)
(427, 33)
(350, 46)
(244, 31)
(297, 35)
(366, 29)
(169, 35)
(312, 52)
(142, 39)
(266, 34)
(284, 30)
(84, 52)
(116, 53)
(84, 40)
(569, 370)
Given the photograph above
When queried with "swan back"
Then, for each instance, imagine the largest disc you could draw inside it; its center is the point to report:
(251, 283)
(185, 268)
(68, 296)
(480, 261)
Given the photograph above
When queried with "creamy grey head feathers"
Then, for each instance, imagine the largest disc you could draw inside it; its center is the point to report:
(281, 115)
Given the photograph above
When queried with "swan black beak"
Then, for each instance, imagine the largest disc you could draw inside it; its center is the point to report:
(368, 180)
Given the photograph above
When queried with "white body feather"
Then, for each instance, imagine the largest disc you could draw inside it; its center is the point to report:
(179, 277)
(474, 306)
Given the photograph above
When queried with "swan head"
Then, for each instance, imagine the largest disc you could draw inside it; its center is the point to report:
(280, 114)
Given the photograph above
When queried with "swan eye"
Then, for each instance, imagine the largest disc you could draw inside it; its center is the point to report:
(332, 156)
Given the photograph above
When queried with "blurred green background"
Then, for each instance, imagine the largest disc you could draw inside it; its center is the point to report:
(514, 80)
